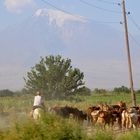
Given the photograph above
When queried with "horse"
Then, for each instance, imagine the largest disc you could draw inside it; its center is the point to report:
(38, 113)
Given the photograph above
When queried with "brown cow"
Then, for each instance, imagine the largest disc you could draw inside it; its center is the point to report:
(122, 104)
(89, 111)
(108, 118)
(103, 118)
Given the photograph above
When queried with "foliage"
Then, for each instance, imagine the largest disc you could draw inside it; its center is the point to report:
(100, 91)
(137, 91)
(6, 92)
(84, 91)
(121, 89)
(55, 77)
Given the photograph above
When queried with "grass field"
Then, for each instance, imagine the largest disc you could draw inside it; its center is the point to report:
(16, 125)
(24, 103)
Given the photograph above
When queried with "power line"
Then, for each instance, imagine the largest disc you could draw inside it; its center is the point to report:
(50, 4)
(97, 7)
(133, 38)
(105, 22)
(133, 21)
(101, 22)
(109, 2)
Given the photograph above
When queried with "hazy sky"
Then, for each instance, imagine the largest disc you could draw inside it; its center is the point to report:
(15, 11)
(107, 12)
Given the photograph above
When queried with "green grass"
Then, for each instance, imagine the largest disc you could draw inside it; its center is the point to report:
(53, 127)
(24, 103)
(134, 135)
(49, 128)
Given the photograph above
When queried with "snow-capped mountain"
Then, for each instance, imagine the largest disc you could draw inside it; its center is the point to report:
(58, 18)
(97, 49)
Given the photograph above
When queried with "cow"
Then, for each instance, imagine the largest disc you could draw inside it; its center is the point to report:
(68, 112)
(122, 104)
(109, 118)
(94, 115)
(78, 115)
(130, 118)
(89, 111)
(61, 111)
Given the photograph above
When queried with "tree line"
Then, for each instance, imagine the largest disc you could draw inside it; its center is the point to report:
(55, 77)
(81, 92)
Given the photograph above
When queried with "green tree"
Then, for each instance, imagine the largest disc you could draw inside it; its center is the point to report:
(55, 77)
(137, 91)
(84, 91)
(6, 92)
(121, 89)
(100, 91)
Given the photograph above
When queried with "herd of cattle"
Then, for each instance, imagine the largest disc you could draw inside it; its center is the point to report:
(103, 114)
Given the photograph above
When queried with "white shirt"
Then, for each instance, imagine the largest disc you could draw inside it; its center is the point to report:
(38, 100)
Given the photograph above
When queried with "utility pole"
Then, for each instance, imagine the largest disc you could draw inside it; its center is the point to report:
(128, 54)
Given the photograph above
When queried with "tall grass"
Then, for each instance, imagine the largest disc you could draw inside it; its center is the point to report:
(49, 128)
(53, 127)
(133, 135)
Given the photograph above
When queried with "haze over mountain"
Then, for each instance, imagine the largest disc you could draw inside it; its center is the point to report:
(96, 49)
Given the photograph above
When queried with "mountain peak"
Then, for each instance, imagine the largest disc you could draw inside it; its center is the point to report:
(58, 17)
